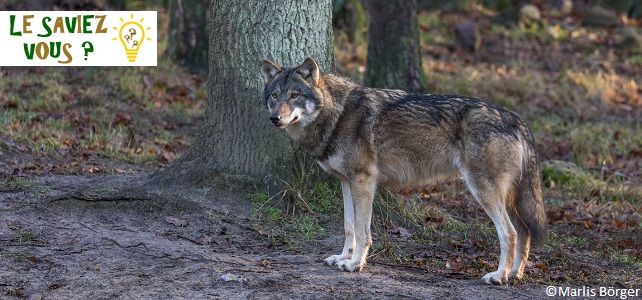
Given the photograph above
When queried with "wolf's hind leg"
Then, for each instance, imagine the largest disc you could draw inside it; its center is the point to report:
(362, 188)
(490, 196)
(523, 247)
(507, 240)
(348, 223)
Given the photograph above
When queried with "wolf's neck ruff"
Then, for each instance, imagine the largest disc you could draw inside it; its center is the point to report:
(333, 101)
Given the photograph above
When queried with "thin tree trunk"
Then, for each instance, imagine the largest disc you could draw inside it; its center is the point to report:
(394, 57)
(236, 137)
(187, 41)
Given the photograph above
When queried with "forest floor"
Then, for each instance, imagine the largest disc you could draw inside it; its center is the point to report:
(204, 249)
(70, 136)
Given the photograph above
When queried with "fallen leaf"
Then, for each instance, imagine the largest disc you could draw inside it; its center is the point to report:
(207, 239)
(262, 230)
(628, 243)
(121, 118)
(418, 261)
(175, 221)
(452, 265)
(555, 215)
(487, 264)
(55, 286)
(402, 232)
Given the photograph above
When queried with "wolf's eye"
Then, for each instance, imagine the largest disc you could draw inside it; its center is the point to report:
(274, 95)
(294, 95)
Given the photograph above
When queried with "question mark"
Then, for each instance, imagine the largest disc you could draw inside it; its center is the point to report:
(89, 47)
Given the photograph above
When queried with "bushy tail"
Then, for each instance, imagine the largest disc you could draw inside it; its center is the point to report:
(528, 213)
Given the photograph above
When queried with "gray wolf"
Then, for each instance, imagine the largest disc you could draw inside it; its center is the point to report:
(380, 137)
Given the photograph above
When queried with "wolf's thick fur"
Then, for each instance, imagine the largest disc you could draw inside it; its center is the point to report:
(368, 137)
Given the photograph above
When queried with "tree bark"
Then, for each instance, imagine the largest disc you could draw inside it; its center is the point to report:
(394, 57)
(236, 137)
(187, 41)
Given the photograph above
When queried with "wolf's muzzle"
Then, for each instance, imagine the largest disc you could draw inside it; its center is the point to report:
(275, 119)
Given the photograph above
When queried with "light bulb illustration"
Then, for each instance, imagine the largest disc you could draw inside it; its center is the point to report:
(131, 35)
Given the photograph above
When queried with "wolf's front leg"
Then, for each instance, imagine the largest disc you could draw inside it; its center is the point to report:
(348, 223)
(362, 188)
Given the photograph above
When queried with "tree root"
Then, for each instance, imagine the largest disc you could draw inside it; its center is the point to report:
(124, 195)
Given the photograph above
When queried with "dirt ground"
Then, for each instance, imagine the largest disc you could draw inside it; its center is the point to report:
(168, 248)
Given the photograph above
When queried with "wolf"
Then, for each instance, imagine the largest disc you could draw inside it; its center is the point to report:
(371, 137)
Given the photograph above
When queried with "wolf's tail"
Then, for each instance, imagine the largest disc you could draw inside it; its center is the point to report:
(527, 207)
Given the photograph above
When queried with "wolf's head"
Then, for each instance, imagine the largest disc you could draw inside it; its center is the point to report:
(291, 94)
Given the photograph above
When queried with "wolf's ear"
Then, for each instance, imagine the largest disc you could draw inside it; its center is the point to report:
(310, 71)
(270, 70)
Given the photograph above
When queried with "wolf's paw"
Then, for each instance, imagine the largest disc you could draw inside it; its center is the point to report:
(350, 265)
(335, 259)
(516, 273)
(494, 278)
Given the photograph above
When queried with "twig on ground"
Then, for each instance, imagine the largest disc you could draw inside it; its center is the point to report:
(398, 265)
(248, 271)
(304, 262)
(231, 262)
(406, 296)
(189, 239)
(504, 288)
(23, 244)
(125, 247)
(201, 259)
(87, 226)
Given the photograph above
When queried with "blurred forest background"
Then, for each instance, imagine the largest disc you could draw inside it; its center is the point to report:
(571, 69)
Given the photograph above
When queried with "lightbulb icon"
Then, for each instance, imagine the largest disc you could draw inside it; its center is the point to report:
(131, 35)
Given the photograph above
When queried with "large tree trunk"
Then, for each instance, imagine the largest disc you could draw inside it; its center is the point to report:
(236, 137)
(187, 40)
(394, 57)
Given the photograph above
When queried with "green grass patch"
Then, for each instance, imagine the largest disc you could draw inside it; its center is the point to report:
(623, 257)
(276, 223)
(16, 183)
(14, 256)
(97, 115)
(308, 228)
(306, 197)
(264, 210)
(433, 30)
(26, 237)
(123, 114)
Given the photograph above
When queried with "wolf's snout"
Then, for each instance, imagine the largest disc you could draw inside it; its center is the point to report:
(275, 119)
